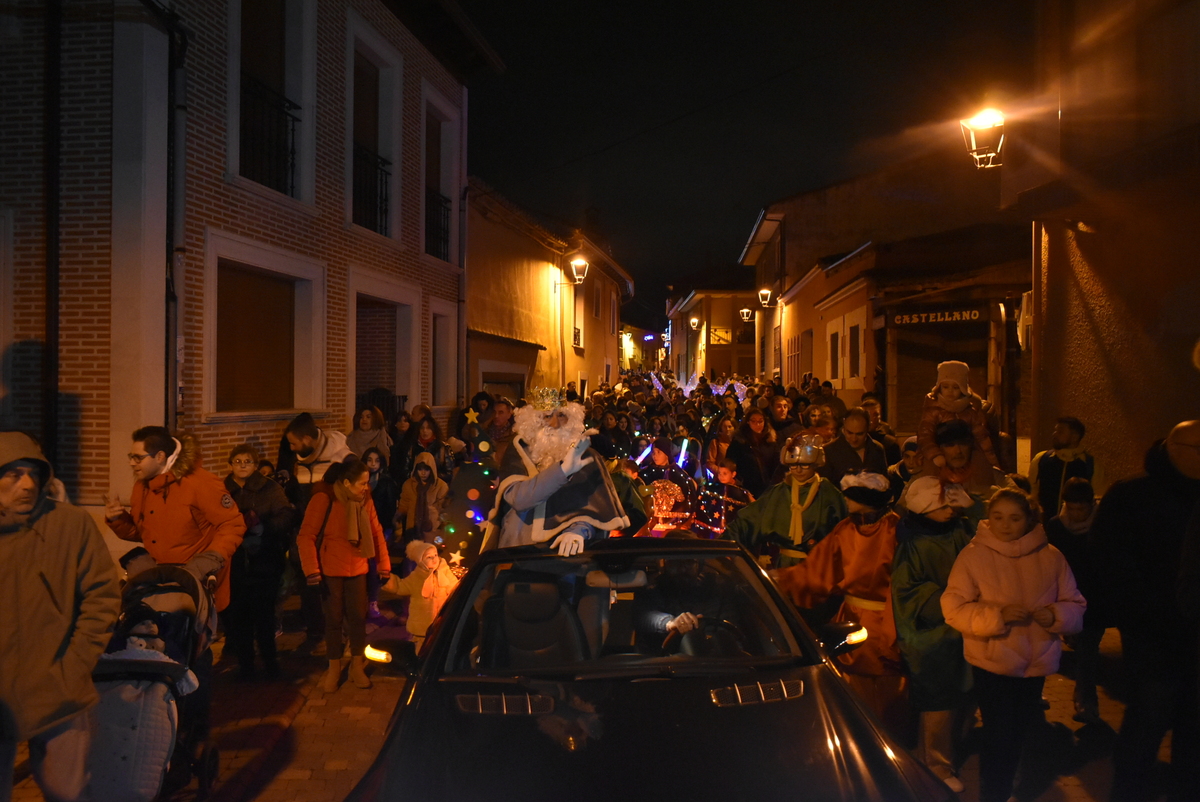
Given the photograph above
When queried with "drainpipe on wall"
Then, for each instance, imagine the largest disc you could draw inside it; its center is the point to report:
(176, 248)
(53, 144)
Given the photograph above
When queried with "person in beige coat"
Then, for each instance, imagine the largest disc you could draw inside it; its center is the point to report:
(428, 587)
(58, 586)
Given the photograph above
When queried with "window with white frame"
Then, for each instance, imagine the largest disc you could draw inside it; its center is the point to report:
(264, 323)
(373, 99)
(272, 80)
(442, 173)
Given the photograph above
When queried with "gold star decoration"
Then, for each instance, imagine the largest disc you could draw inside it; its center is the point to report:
(472, 416)
(455, 557)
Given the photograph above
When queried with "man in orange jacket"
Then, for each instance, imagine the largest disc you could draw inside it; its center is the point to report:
(179, 510)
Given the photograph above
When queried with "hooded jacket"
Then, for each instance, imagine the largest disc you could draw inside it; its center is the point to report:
(411, 497)
(58, 588)
(991, 573)
(183, 512)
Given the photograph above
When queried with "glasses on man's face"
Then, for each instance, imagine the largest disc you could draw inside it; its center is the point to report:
(243, 462)
(137, 458)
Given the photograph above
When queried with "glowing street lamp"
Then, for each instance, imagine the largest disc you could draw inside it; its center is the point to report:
(746, 314)
(579, 268)
(983, 135)
(764, 296)
(694, 323)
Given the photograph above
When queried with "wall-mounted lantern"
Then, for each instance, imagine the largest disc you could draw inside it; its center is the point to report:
(764, 296)
(746, 314)
(983, 135)
(694, 323)
(579, 268)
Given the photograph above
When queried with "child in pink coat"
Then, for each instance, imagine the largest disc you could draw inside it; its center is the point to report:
(951, 398)
(1012, 596)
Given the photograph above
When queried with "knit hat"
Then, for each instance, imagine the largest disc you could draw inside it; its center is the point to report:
(927, 493)
(957, 372)
(869, 489)
(910, 444)
(667, 447)
(416, 549)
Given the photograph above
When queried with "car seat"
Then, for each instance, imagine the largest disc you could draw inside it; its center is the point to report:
(539, 628)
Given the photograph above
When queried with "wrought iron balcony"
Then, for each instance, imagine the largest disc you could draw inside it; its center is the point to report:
(437, 224)
(371, 181)
(268, 136)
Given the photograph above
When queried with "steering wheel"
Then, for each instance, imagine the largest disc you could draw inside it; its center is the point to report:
(709, 628)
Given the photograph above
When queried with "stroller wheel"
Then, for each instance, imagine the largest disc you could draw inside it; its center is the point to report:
(207, 767)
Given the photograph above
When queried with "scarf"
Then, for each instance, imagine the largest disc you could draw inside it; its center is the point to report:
(358, 522)
(796, 529)
(956, 407)
(1081, 528)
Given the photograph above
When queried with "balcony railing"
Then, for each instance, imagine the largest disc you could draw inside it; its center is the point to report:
(437, 224)
(371, 181)
(268, 137)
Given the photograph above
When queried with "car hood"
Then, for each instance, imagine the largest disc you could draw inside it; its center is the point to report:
(644, 738)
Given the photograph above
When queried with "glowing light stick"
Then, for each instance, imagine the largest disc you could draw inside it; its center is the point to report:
(645, 453)
(682, 452)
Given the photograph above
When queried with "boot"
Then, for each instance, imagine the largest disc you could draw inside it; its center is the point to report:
(332, 677)
(358, 674)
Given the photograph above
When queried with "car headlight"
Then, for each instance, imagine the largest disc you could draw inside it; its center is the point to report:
(380, 656)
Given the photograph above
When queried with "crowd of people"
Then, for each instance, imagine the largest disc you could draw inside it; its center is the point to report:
(967, 576)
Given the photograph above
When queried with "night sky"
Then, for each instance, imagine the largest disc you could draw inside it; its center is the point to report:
(668, 126)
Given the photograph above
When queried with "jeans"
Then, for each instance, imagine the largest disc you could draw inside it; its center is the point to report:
(346, 599)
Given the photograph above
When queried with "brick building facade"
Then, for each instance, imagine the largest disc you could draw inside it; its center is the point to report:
(321, 233)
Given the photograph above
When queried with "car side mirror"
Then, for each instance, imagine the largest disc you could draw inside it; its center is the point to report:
(400, 654)
(840, 637)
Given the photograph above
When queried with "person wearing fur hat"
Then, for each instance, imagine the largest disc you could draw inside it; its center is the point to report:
(951, 399)
(428, 587)
(932, 531)
(792, 517)
(855, 562)
(553, 487)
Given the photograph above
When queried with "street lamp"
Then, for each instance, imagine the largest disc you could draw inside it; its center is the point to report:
(746, 314)
(983, 135)
(764, 296)
(579, 268)
(666, 337)
(694, 323)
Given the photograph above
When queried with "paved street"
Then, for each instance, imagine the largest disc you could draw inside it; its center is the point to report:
(287, 741)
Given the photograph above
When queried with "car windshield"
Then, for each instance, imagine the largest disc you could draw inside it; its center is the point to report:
(612, 614)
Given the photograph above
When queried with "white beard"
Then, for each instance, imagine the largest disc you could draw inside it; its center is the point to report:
(547, 445)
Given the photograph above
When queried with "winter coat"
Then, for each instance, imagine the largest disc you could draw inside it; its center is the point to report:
(386, 495)
(1138, 535)
(183, 512)
(427, 591)
(1050, 470)
(854, 561)
(58, 588)
(307, 471)
(841, 459)
(756, 462)
(433, 495)
(359, 441)
(968, 408)
(931, 648)
(989, 574)
(443, 458)
(270, 519)
(338, 556)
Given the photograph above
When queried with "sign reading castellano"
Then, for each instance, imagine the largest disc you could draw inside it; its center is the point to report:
(953, 315)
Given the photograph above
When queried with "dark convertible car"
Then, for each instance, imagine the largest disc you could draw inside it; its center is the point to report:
(550, 677)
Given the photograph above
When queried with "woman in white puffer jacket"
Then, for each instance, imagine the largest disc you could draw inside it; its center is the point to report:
(1012, 596)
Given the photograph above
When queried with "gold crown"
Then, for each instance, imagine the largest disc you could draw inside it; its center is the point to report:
(544, 398)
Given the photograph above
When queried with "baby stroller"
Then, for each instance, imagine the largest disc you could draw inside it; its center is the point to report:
(151, 727)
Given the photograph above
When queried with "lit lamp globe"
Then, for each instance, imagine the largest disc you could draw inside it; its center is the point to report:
(983, 135)
(746, 314)
(764, 296)
(579, 268)
(694, 323)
